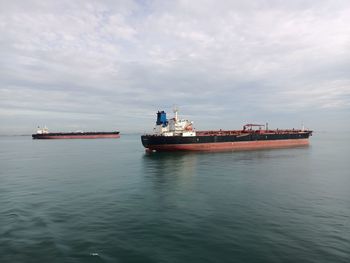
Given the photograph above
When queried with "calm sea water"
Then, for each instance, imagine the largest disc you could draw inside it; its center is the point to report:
(107, 201)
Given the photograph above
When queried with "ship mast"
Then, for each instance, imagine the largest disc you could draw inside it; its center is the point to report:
(175, 110)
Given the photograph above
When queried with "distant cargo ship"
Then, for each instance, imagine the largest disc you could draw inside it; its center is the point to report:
(179, 135)
(43, 133)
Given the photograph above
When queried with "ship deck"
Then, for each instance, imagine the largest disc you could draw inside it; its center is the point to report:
(245, 132)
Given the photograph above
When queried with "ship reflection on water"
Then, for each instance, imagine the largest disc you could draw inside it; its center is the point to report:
(171, 164)
(180, 167)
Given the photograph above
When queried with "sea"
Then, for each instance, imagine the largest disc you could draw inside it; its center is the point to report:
(107, 200)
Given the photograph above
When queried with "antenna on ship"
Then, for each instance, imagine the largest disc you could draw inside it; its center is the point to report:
(175, 110)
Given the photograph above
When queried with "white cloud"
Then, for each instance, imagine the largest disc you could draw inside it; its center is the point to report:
(112, 58)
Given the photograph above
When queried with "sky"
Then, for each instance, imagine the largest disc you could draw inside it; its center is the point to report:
(111, 65)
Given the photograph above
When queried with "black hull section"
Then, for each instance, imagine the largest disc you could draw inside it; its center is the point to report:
(72, 135)
(150, 140)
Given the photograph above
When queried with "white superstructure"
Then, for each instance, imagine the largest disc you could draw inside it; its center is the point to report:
(44, 130)
(174, 126)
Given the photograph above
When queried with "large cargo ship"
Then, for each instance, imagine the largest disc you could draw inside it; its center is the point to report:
(179, 135)
(43, 133)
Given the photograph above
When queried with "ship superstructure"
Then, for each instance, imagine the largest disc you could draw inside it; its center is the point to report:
(173, 126)
(44, 130)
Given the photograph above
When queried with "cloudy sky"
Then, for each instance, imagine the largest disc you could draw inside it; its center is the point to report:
(106, 65)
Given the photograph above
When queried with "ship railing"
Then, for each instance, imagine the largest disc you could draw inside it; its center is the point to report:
(239, 132)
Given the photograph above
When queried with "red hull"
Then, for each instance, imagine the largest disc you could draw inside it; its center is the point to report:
(231, 146)
(100, 136)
